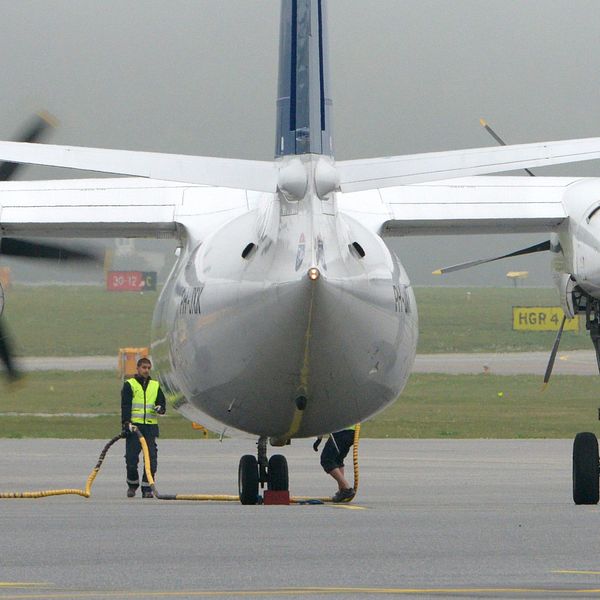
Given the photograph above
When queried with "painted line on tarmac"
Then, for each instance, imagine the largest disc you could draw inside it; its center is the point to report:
(575, 572)
(23, 584)
(348, 506)
(63, 414)
(307, 591)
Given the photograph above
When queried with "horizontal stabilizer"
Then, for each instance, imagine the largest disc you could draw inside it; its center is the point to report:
(359, 175)
(259, 176)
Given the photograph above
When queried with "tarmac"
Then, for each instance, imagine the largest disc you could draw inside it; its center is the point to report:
(432, 518)
(576, 362)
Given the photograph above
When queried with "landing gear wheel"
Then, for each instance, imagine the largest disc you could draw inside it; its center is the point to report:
(585, 469)
(248, 479)
(278, 473)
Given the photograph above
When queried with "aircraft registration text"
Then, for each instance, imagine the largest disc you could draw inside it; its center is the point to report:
(190, 301)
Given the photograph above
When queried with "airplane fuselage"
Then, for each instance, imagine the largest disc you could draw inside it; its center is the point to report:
(291, 320)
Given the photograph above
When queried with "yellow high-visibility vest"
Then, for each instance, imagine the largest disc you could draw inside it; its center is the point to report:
(351, 428)
(143, 410)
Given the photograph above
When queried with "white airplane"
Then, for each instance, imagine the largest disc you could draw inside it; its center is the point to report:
(286, 315)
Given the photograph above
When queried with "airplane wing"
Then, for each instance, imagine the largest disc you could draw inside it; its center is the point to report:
(470, 205)
(388, 193)
(115, 207)
(358, 175)
(260, 176)
(263, 176)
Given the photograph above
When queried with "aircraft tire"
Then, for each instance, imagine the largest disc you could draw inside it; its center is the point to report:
(586, 486)
(248, 479)
(278, 473)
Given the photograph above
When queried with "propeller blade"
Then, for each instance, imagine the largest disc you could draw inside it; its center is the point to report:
(541, 247)
(6, 354)
(25, 249)
(32, 133)
(485, 125)
(553, 353)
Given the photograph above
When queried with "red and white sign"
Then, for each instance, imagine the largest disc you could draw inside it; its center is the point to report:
(130, 281)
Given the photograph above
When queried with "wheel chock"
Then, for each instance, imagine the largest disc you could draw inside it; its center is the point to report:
(276, 497)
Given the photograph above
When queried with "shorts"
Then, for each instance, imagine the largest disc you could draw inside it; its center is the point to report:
(336, 449)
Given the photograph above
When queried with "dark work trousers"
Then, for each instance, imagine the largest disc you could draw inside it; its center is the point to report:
(133, 447)
(336, 449)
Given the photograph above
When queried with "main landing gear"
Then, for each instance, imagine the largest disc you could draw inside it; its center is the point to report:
(586, 462)
(255, 471)
(586, 469)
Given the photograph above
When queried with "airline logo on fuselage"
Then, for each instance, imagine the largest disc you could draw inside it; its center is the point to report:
(301, 251)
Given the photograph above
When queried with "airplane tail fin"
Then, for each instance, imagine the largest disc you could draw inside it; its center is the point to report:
(303, 101)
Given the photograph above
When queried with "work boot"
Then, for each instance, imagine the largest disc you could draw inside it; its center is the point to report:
(130, 492)
(344, 495)
(147, 494)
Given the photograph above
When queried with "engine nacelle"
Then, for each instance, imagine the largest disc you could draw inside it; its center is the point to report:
(586, 249)
(580, 240)
(566, 284)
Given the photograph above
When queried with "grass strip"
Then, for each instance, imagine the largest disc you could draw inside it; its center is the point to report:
(88, 320)
(480, 320)
(489, 406)
(101, 427)
(83, 392)
(77, 320)
(432, 406)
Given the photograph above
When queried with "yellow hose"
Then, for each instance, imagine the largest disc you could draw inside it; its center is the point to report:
(231, 498)
(86, 493)
(88, 486)
(196, 497)
(355, 457)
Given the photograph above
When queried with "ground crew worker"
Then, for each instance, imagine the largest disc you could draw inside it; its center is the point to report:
(332, 460)
(141, 401)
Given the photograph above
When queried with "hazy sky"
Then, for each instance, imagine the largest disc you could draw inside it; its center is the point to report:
(199, 77)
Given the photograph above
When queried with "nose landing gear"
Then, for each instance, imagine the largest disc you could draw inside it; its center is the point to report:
(255, 471)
